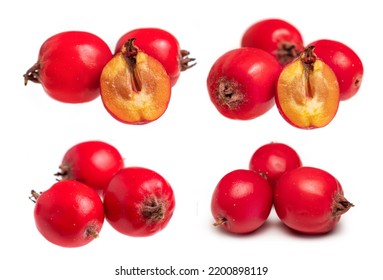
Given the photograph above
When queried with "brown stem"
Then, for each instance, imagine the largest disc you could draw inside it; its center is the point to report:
(220, 221)
(32, 74)
(185, 60)
(130, 51)
(34, 196)
(308, 58)
(64, 173)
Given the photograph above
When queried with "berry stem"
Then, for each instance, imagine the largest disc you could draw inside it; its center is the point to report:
(220, 221)
(32, 74)
(64, 172)
(308, 59)
(185, 60)
(130, 51)
(34, 196)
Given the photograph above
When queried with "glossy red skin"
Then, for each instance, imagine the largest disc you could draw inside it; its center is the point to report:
(92, 163)
(65, 212)
(126, 195)
(242, 198)
(157, 43)
(303, 200)
(70, 66)
(254, 73)
(269, 34)
(345, 63)
(273, 160)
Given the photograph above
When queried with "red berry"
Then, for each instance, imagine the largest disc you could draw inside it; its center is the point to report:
(345, 63)
(278, 37)
(241, 201)
(309, 200)
(69, 66)
(92, 163)
(161, 45)
(68, 214)
(273, 160)
(242, 83)
(138, 202)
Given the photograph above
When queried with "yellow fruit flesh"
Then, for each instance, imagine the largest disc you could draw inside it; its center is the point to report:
(309, 98)
(138, 94)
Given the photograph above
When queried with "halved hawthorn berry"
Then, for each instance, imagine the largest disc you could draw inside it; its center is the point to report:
(307, 92)
(135, 87)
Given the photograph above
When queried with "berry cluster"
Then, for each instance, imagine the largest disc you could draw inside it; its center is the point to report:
(273, 66)
(134, 83)
(95, 185)
(306, 199)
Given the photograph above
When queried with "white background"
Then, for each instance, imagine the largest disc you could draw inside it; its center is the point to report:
(192, 146)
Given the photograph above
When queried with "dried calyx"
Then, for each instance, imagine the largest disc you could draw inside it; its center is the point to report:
(340, 206)
(229, 94)
(287, 52)
(153, 209)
